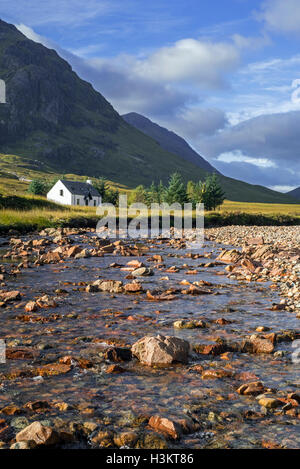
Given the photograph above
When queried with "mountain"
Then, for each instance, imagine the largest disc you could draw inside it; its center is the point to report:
(57, 122)
(168, 140)
(55, 118)
(295, 193)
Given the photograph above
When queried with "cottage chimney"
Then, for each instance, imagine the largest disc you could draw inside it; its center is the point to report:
(88, 181)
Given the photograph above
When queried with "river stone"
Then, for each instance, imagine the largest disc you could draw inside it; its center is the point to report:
(112, 286)
(251, 389)
(183, 324)
(166, 426)
(125, 439)
(39, 433)
(142, 272)
(270, 403)
(161, 350)
(261, 345)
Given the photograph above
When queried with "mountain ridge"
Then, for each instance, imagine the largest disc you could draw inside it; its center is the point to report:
(294, 193)
(168, 140)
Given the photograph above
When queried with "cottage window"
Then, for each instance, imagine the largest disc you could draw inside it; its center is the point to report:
(78, 201)
(95, 203)
(61, 192)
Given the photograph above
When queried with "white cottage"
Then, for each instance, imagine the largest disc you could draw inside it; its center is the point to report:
(74, 193)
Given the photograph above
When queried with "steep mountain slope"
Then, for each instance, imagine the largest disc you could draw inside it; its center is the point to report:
(57, 122)
(168, 140)
(295, 193)
(54, 117)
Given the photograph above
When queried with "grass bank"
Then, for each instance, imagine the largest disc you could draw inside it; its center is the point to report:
(35, 214)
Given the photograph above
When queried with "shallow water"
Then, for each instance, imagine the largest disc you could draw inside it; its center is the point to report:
(117, 400)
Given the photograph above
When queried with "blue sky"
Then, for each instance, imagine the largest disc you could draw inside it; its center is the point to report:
(224, 74)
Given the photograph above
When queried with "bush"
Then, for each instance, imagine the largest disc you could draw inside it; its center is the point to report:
(38, 187)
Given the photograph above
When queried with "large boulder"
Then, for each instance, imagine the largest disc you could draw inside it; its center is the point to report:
(161, 350)
(40, 434)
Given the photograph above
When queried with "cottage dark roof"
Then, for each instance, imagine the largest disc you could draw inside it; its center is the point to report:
(80, 188)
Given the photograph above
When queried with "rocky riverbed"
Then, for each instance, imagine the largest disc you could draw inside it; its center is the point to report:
(151, 344)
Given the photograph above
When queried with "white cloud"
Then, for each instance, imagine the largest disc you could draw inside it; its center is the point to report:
(31, 34)
(281, 15)
(283, 188)
(191, 61)
(243, 42)
(238, 156)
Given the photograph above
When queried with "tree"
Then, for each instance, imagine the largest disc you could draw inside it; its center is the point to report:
(38, 187)
(215, 193)
(139, 195)
(111, 196)
(101, 186)
(175, 192)
(190, 189)
(208, 192)
(197, 193)
(155, 193)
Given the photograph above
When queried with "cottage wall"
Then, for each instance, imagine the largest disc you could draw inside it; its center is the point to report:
(55, 194)
(61, 195)
(80, 200)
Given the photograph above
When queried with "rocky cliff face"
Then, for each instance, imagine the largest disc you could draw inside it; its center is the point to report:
(43, 93)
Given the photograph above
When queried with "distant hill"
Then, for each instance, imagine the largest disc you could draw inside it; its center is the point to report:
(168, 140)
(295, 193)
(56, 122)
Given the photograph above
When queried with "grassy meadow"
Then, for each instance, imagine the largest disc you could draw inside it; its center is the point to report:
(38, 213)
(23, 212)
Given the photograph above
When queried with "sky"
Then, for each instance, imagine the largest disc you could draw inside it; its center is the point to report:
(223, 74)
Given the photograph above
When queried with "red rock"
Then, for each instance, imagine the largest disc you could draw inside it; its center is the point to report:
(133, 287)
(115, 369)
(247, 264)
(215, 349)
(31, 306)
(168, 427)
(71, 252)
(251, 389)
(270, 445)
(10, 296)
(51, 258)
(45, 302)
(20, 354)
(10, 410)
(230, 257)
(222, 321)
(53, 369)
(262, 346)
(43, 436)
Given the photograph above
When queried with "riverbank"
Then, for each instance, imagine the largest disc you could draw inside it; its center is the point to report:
(268, 254)
(29, 221)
